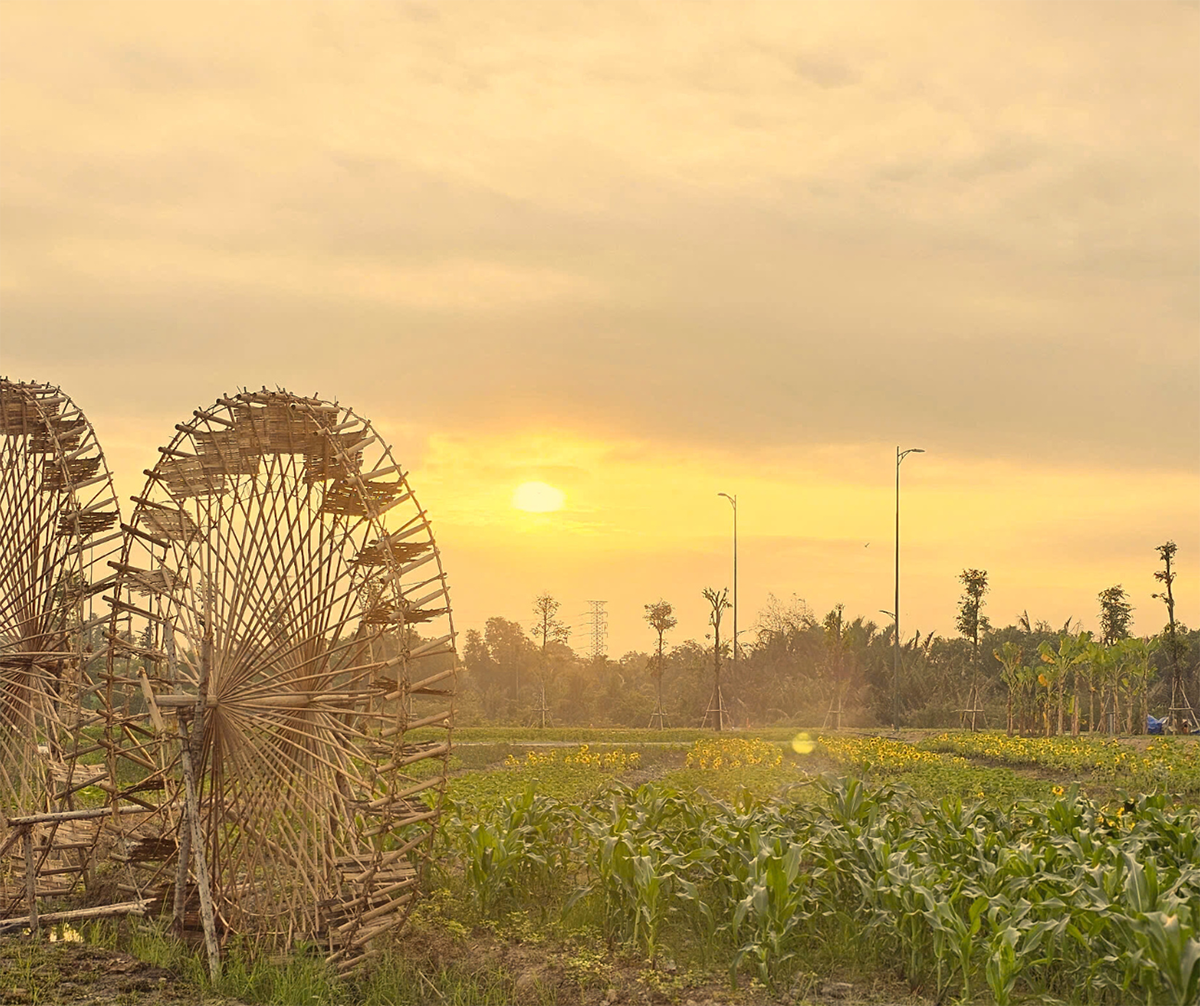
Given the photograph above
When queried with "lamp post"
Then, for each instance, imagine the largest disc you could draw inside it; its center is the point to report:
(900, 456)
(733, 503)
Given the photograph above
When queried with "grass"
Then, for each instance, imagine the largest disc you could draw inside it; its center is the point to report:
(441, 973)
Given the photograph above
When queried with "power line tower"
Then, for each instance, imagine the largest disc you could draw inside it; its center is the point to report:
(596, 624)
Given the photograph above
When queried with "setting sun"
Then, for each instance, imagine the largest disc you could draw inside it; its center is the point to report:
(538, 497)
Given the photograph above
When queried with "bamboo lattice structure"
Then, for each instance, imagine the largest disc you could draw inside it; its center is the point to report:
(280, 608)
(58, 525)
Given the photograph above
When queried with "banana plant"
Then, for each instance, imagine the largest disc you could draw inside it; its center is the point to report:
(1097, 668)
(1135, 659)
(1060, 662)
(1011, 658)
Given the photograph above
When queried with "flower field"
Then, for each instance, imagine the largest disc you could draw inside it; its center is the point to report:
(930, 774)
(561, 773)
(1171, 763)
(611, 760)
(867, 753)
(733, 752)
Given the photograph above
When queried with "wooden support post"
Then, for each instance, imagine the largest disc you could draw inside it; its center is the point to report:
(30, 881)
(193, 820)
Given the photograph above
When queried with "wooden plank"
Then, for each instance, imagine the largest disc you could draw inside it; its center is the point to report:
(408, 567)
(405, 793)
(160, 542)
(402, 822)
(430, 753)
(126, 606)
(439, 717)
(431, 645)
(426, 598)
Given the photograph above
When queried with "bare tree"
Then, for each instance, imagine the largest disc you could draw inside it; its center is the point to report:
(972, 623)
(549, 629)
(719, 601)
(836, 643)
(662, 620)
(1180, 713)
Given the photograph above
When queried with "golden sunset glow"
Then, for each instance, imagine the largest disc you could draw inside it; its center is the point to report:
(605, 261)
(538, 497)
(812, 522)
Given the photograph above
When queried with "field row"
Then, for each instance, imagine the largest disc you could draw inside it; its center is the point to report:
(739, 855)
(962, 764)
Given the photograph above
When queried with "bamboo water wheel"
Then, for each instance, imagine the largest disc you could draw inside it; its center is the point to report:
(58, 517)
(282, 629)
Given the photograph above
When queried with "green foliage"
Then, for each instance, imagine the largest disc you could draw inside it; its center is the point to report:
(521, 847)
(1116, 614)
(970, 621)
(966, 879)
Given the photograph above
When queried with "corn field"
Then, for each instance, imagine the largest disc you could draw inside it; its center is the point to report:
(1059, 898)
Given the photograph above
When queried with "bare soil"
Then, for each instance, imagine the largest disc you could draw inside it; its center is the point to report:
(75, 974)
(78, 974)
(538, 970)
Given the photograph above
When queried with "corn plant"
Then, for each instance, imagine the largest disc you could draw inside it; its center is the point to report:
(522, 848)
(773, 907)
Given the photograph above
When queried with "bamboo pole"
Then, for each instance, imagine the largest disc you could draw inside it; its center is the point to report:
(71, 815)
(193, 817)
(79, 914)
(181, 870)
(30, 881)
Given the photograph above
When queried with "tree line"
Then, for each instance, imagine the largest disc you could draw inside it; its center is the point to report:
(805, 669)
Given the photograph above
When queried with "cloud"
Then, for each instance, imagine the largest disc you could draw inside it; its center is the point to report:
(746, 229)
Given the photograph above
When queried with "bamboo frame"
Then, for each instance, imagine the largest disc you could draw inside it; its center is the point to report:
(56, 503)
(273, 594)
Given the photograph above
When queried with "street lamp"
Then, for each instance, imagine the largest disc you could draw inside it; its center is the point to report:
(733, 503)
(900, 456)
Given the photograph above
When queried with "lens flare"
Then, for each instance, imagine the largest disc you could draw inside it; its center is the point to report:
(803, 744)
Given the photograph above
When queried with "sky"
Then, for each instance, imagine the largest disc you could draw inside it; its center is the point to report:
(647, 253)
